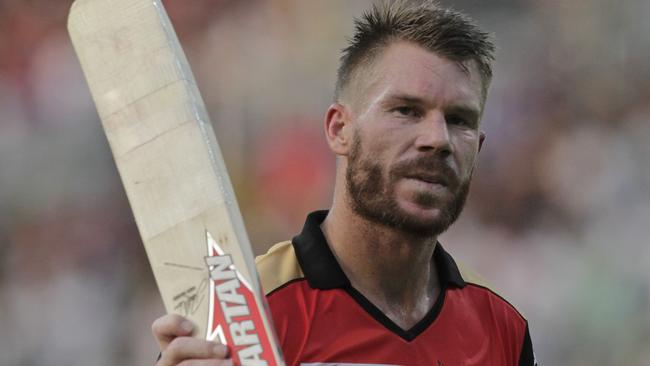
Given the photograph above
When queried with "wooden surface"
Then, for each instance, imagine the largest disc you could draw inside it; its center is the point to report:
(164, 147)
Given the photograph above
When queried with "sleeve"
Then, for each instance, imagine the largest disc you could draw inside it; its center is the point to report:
(527, 356)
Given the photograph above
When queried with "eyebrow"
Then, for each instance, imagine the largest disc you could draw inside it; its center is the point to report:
(465, 110)
(404, 98)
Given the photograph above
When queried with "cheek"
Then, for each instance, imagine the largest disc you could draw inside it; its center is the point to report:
(466, 153)
(380, 146)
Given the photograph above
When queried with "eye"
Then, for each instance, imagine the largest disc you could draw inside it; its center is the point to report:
(407, 111)
(457, 120)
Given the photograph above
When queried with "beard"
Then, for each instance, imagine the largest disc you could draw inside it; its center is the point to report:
(371, 192)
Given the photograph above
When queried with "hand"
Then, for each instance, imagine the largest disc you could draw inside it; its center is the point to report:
(174, 336)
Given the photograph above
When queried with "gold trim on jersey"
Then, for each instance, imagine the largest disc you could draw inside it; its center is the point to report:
(278, 266)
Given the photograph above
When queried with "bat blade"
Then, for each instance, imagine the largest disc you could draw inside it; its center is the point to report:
(173, 172)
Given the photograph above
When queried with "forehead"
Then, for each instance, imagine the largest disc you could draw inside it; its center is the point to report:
(408, 69)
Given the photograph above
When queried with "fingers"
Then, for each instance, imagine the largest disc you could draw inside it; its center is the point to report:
(184, 349)
(170, 326)
(173, 334)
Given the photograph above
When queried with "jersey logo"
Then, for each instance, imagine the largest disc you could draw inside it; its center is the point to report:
(233, 317)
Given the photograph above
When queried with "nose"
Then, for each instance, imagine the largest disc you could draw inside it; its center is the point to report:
(433, 135)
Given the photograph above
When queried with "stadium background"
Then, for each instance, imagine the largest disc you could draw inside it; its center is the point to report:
(558, 216)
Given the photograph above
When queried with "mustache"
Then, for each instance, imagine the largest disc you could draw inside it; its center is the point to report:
(426, 166)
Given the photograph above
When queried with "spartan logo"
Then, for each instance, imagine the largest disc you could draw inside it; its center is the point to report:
(233, 317)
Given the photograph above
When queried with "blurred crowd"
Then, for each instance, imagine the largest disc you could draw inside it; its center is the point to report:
(558, 217)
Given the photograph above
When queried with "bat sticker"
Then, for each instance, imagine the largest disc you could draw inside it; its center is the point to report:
(234, 318)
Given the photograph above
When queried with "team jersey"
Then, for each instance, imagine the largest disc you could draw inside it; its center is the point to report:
(322, 320)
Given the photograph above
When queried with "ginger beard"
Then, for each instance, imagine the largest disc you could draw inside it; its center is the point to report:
(371, 192)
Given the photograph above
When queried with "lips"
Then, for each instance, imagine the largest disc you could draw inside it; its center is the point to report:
(428, 169)
(431, 178)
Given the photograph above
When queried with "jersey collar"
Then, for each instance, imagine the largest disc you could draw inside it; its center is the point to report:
(323, 271)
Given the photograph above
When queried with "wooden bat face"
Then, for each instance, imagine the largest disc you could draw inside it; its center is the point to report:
(173, 172)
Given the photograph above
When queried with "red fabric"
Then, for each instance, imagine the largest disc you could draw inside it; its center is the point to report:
(474, 327)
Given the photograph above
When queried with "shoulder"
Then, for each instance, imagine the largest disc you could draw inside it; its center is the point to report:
(284, 285)
(482, 291)
(469, 291)
(479, 296)
(494, 312)
(278, 267)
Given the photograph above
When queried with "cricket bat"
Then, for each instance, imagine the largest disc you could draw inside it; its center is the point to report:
(173, 173)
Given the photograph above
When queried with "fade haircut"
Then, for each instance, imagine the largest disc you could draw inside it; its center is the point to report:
(445, 32)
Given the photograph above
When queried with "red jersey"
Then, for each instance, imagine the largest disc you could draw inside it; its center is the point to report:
(322, 320)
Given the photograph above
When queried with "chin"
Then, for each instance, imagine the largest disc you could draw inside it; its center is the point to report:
(422, 221)
(416, 212)
(420, 213)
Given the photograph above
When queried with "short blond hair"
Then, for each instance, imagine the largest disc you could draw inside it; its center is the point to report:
(446, 32)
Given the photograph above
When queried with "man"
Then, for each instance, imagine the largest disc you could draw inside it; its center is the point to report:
(367, 281)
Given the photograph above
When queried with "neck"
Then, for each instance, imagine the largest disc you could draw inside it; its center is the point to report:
(391, 268)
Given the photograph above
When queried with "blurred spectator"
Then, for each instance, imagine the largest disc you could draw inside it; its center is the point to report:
(558, 215)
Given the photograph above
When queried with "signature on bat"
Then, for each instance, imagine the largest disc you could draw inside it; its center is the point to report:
(188, 301)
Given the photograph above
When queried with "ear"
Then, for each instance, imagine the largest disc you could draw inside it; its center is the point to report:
(481, 138)
(338, 128)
